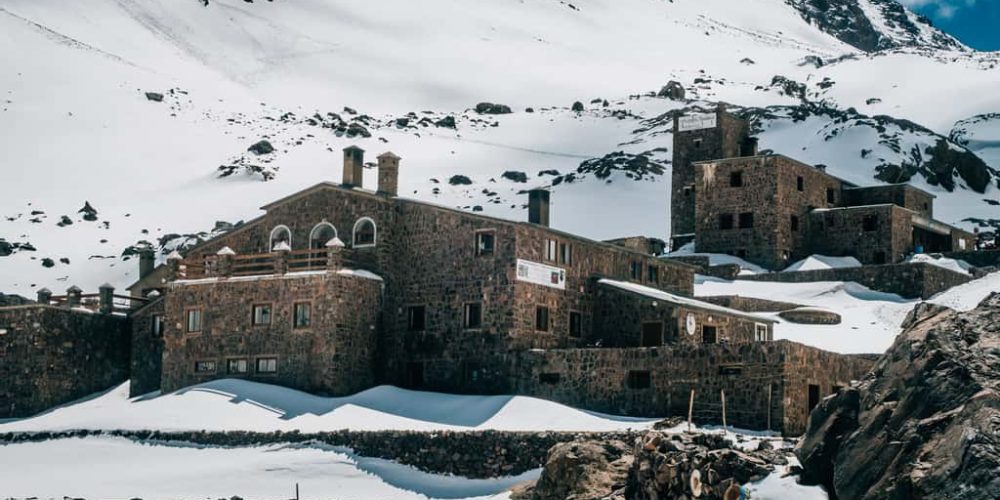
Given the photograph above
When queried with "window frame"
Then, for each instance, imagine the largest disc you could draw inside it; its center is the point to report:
(869, 223)
(270, 239)
(579, 324)
(479, 250)
(208, 362)
(727, 222)
(793, 223)
(551, 250)
(467, 316)
(312, 235)
(257, 363)
(543, 319)
(253, 313)
(745, 220)
(635, 270)
(295, 314)
(229, 366)
(652, 273)
(565, 252)
(758, 335)
(800, 183)
(639, 380)
(156, 325)
(187, 320)
(423, 318)
(354, 233)
(736, 179)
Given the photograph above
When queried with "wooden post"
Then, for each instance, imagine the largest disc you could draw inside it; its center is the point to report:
(690, 409)
(296, 491)
(769, 406)
(723, 410)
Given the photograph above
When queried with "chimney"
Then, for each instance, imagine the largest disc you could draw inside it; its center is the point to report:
(388, 173)
(45, 296)
(354, 160)
(538, 206)
(147, 262)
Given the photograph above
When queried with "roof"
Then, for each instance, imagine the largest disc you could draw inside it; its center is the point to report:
(657, 294)
(904, 185)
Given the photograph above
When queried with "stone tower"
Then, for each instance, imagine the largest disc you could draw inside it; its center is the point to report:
(700, 137)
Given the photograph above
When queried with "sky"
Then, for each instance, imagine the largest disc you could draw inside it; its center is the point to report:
(974, 22)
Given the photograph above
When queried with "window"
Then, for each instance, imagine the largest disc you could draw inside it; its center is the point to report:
(870, 222)
(880, 257)
(261, 314)
(321, 235)
(709, 334)
(726, 221)
(280, 234)
(635, 270)
(364, 232)
(156, 323)
(813, 396)
(638, 379)
(565, 253)
(652, 334)
(760, 332)
(194, 320)
(542, 319)
(3, 331)
(416, 318)
(484, 243)
(736, 179)
(550, 250)
(267, 365)
(204, 366)
(237, 366)
(746, 220)
(302, 315)
(795, 223)
(653, 274)
(548, 378)
(831, 196)
(688, 190)
(575, 324)
(800, 184)
(473, 315)
(697, 143)
(730, 369)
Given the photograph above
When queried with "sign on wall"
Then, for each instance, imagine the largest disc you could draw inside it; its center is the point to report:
(541, 274)
(696, 122)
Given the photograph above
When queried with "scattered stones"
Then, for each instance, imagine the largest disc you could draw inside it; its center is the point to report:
(446, 122)
(515, 176)
(636, 167)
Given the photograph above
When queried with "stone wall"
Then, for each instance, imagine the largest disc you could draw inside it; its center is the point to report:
(903, 195)
(917, 280)
(7, 300)
(981, 258)
(761, 390)
(749, 304)
(644, 244)
(622, 317)
(147, 348)
(52, 356)
(333, 355)
(842, 232)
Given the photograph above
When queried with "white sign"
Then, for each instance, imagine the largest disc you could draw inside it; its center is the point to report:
(695, 122)
(691, 324)
(540, 274)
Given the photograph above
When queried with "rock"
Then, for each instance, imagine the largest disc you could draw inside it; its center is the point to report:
(459, 180)
(5, 248)
(673, 90)
(925, 423)
(47, 262)
(446, 122)
(581, 470)
(577, 106)
(89, 213)
(488, 108)
(515, 176)
(64, 221)
(154, 96)
(261, 147)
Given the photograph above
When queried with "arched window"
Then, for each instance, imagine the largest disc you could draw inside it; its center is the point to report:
(364, 232)
(280, 234)
(321, 235)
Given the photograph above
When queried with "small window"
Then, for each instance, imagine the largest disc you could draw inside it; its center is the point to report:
(364, 232)
(237, 366)
(548, 378)
(638, 379)
(575, 324)
(194, 320)
(261, 314)
(653, 274)
(709, 335)
(204, 366)
(565, 253)
(730, 369)
(746, 220)
(795, 223)
(484, 243)
(267, 365)
(800, 184)
(321, 234)
(870, 222)
(303, 315)
(635, 270)
(551, 247)
(736, 179)
(156, 323)
(760, 332)
(697, 143)
(280, 234)
(726, 221)
(542, 319)
(688, 190)
(652, 334)
(473, 315)
(813, 396)
(416, 318)
(831, 196)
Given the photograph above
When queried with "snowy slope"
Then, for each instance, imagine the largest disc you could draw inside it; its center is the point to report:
(76, 126)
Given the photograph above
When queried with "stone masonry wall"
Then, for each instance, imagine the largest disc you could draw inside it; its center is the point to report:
(749, 304)
(841, 232)
(903, 195)
(805, 366)
(52, 356)
(333, 355)
(910, 281)
(147, 349)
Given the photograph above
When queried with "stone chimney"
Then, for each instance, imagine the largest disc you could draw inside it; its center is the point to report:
(44, 296)
(106, 296)
(388, 173)
(354, 161)
(74, 296)
(147, 262)
(538, 206)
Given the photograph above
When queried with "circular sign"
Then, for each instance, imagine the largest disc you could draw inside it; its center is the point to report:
(691, 324)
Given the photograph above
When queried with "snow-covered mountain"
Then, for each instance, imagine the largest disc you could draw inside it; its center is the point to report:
(870, 90)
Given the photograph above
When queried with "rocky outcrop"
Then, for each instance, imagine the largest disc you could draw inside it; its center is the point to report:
(583, 470)
(925, 423)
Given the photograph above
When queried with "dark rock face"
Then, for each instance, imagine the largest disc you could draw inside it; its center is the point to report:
(262, 147)
(515, 176)
(925, 423)
(673, 90)
(489, 108)
(847, 21)
(154, 96)
(583, 470)
(459, 180)
(89, 213)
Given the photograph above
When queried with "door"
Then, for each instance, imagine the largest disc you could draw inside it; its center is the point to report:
(813, 396)
(652, 334)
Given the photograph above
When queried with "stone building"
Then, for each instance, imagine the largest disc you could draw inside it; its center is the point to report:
(772, 210)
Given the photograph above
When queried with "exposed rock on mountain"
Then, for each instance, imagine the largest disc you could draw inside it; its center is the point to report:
(925, 423)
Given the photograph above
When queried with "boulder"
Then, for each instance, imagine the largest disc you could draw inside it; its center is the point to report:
(673, 90)
(154, 96)
(489, 108)
(925, 423)
(581, 470)
(261, 147)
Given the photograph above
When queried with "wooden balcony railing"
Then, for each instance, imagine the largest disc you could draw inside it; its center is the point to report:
(227, 263)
